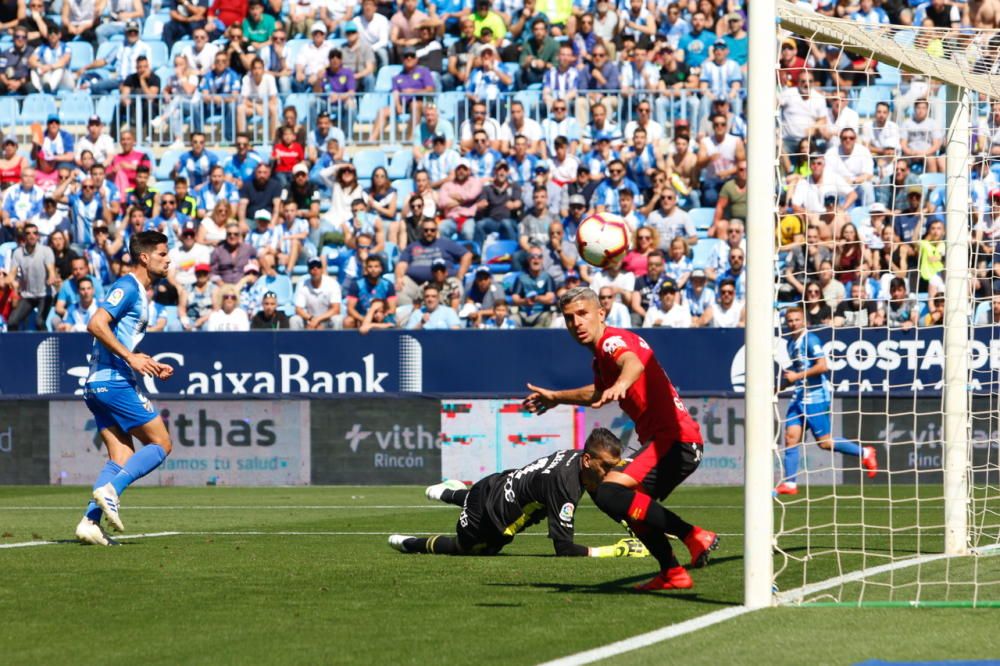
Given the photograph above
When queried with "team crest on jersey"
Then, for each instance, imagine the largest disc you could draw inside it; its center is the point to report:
(566, 512)
(116, 296)
(679, 404)
(613, 344)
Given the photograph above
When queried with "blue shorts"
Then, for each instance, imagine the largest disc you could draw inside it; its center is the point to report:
(815, 417)
(118, 404)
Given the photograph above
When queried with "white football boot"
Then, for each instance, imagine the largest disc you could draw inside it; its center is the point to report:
(91, 533)
(107, 498)
(434, 492)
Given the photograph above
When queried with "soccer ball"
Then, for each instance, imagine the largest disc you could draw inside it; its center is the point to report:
(602, 239)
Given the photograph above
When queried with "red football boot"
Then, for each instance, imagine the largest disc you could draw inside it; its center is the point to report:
(700, 542)
(869, 461)
(786, 489)
(671, 579)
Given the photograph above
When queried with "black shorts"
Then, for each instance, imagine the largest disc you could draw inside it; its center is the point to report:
(477, 535)
(660, 471)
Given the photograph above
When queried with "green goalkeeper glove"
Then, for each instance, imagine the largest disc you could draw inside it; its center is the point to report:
(624, 548)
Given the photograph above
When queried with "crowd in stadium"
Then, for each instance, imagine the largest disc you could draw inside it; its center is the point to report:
(332, 164)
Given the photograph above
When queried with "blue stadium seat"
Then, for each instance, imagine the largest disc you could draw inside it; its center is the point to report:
(858, 215)
(8, 109)
(168, 160)
(499, 255)
(703, 250)
(370, 104)
(929, 180)
(37, 107)
(384, 81)
(104, 49)
(303, 103)
(887, 75)
(869, 97)
(471, 246)
(401, 164)
(294, 46)
(179, 47)
(76, 108)
(81, 53)
(152, 29)
(159, 56)
(367, 161)
(702, 218)
(164, 186)
(106, 107)
(448, 103)
(404, 188)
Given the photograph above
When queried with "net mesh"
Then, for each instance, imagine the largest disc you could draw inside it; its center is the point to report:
(865, 125)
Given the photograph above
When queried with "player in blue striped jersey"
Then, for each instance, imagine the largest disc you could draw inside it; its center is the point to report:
(112, 390)
(809, 408)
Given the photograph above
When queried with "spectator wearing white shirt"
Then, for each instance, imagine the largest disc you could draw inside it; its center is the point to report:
(519, 124)
(312, 59)
(802, 114)
(480, 121)
(615, 312)
(258, 92)
(375, 30)
(854, 163)
(921, 137)
(227, 315)
(122, 60)
(839, 117)
(78, 314)
(317, 301)
(301, 15)
(670, 221)
(201, 54)
(622, 282)
(667, 311)
(100, 145)
(881, 135)
(729, 311)
(186, 256)
(721, 78)
(812, 196)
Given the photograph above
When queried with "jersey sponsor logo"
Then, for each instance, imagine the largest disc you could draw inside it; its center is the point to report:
(116, 296)
(613, 344)
(643, 343)
(679, 404)
(566, 512)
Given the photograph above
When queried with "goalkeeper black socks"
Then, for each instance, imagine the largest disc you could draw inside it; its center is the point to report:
(622, 503)
(436, 545)
(456, 497)
(658, 545)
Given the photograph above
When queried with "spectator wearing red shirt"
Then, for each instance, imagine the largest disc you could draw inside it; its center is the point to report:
(790, 64)
(286, 154)
(223, 13)
(125, 163)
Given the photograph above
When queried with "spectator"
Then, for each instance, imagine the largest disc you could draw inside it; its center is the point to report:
(258, 26)
(362, 292)
(920, 139)
(359, 58)
(220, 89)
(430, 51)
(449, 288)
(620, 280)
(15, 70)
(224, 13)
(21, 203)
(538, 54)
(242, 166)
(615, 313)
(561, 255)
(654, 131)
(258, 96)
(839, 117)
(142, 195)
(533, 230)
(120, 14)
(802, 113)
(498, 206)
(480, 121)
(376, 31)
(645, 241)
(432, 126)
(459, 54)
(169, 222)
(285, 155)
(33, 274)
(79, 313)
(50, 65)
(988, 316)
(487, 79)
(230, 257)
(339, 85)
(216, 189)
(732, 202)
(930, 259)
(848, 254)
(668, 311)
(894, 189)
(736, 272)
(457, 202)
(718, 157)
(482, 158)
(186, 18)
(558, 124)
(57, 143)
(582, 192)
(432, 314)
(276, 61)
(227, 316)
(600, 126)
(408, 90)
(264, 238)
(606, 23)
(818, 313)
(123, 61)
(346, 189)
(195, 301)
(302, 194)
(500, 318)
(821, 197)
(200, 55)
(69, 291)
(695, 47)
(562, 84)
(523, 163)
(854, 164)
(678, 264)
(35, 21)
(269, 317)
(607, 197)
(699, 299)
(86, 208)
(312, 59)
(646, 287)
(403, 31)
(881, 135)
(858, 310)
(534, 292)
(414, 265)
(301, 15)
(482, 298)
(261, 193)
(11, 163)
(729, 311)
(671, 24)
(187, 256)
(833, 290)
(197, 163)
(317, 301)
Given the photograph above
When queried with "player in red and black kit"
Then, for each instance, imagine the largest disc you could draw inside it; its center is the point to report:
(626, 370)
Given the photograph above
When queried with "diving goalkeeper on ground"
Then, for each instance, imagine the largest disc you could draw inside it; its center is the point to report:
(500, 506)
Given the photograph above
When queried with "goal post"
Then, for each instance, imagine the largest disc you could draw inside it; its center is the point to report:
(922, 391)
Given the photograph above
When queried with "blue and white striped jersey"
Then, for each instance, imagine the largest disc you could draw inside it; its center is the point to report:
(804, 352)
(128, 306)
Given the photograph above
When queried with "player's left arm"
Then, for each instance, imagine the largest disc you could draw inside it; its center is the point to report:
(100, 328)
(631, 369)
(818, 368)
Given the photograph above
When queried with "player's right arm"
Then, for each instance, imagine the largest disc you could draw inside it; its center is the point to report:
(100, 328)
(541, 400)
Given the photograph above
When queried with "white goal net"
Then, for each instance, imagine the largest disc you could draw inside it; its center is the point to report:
(888, 249)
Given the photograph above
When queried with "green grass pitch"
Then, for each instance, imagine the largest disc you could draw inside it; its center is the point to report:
(304, 576)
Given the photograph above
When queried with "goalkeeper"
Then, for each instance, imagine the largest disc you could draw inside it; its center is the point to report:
(500, 506)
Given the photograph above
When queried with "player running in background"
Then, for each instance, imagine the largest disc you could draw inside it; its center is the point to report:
(112, 391)
(810, 404)
(626, 370)
(500, 506)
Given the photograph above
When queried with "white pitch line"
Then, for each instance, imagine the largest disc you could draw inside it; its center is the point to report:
(650, 638)
(361, 507)
(28, 544)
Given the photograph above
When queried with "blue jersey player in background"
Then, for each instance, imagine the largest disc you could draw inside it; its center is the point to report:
(112, 389)
(810, 404)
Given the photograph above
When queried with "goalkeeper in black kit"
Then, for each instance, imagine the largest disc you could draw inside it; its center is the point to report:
(500, 506)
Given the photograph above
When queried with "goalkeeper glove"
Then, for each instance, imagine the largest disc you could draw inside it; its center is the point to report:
(624, 548)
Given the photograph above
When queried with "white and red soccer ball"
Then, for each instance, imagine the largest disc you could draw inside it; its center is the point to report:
(603, 239)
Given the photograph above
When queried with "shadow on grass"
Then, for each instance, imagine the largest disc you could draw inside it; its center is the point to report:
(617, 587)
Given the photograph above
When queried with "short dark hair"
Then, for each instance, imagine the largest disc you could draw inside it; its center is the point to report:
(896, 283)
(602, 439)
(142, 168)
(144, 242)
(179, 180)
(85, 278)
(727, 282)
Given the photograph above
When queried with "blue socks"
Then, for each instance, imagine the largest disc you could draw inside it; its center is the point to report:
(110, 470)
(846, 446)
(139, 465)
(792, 454)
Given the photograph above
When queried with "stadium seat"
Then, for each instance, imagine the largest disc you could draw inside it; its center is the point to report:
(168, 160)
(499, 255)
(105, 49)
(76, 108)
(887, 75)
(164, 186)
(703, 251)
(81, 53)
(384, 81)
(702, 218)
(471, 246)
(448, 103)
(303, 103)
(159, 57)
(530, 101)
(37, 107)
(152, 29)
(179, 47)
(858, 215)
(294, 46)
(869, 97)
(369, 107)
(367, 161)
(404, 188)
(401, 164)
(929, 180)
(8, 108)
(106, 107)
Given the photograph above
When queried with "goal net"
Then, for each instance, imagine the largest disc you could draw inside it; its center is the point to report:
(888, 225)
